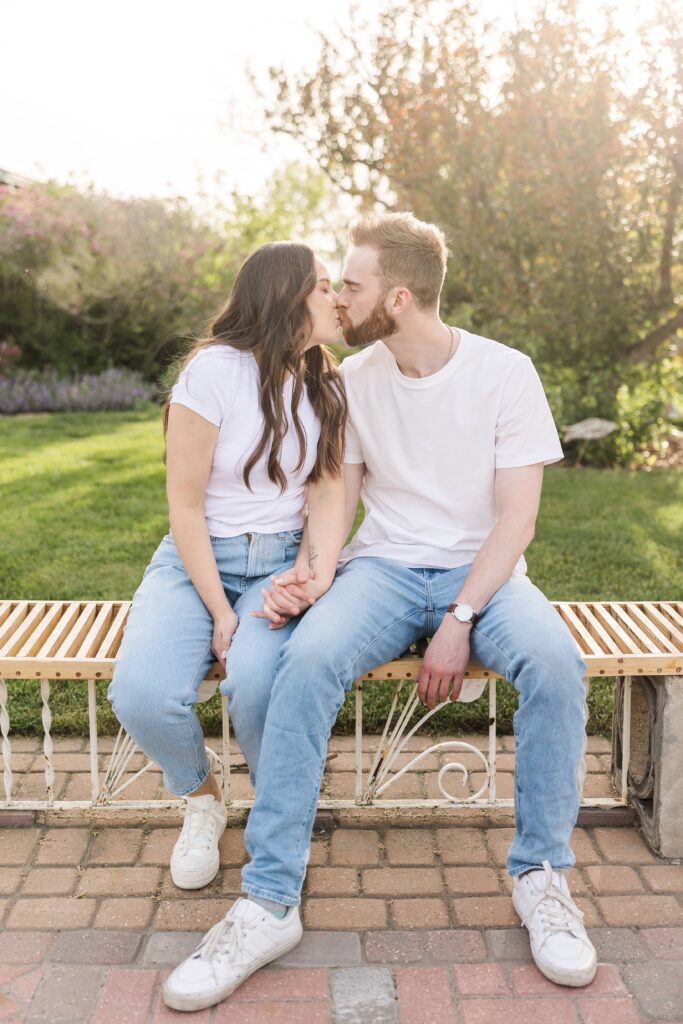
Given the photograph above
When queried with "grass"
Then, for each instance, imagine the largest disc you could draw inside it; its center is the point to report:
(83, 507)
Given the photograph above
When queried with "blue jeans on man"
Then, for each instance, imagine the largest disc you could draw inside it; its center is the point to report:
(374, 610)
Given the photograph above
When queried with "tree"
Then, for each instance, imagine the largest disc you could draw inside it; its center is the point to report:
(559, 189)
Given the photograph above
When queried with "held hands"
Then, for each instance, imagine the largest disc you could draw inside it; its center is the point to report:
(445, 663)
(224, 626)
(290, 594)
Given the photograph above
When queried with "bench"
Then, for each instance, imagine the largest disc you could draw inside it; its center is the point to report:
(639, 643)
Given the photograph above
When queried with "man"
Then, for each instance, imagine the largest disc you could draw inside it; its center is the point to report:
(447, 437)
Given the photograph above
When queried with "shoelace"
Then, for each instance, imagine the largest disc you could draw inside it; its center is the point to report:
(226, 936)
(191, 836)
(560, 913)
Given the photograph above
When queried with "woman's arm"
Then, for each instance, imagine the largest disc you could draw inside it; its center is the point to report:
(190, 443)
(325, 530)
(324, 534)
(334, 504)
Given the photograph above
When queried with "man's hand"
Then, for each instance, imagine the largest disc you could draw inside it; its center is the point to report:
(445, 662)
(290, 594)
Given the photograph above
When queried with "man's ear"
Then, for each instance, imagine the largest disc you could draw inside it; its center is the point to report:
(400, 299)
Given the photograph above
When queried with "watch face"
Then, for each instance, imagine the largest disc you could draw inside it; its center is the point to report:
(464, 612)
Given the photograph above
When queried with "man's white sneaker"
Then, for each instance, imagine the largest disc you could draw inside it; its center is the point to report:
(560, 946)
(247, 938)
(195, 858)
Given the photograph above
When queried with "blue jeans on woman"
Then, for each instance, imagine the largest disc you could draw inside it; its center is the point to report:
(166, 653)
(374, 610)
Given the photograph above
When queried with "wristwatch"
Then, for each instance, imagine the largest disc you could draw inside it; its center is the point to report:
(463, 613)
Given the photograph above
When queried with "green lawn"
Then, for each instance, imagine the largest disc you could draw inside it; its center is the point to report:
(83, 508)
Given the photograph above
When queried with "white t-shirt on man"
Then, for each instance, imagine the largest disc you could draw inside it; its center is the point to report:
(431, 447)
(222, 385)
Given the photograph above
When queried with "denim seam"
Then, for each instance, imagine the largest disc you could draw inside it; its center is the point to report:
(267, 894)
(516, 872)
(395, 622)
(191, 789)
(493, 644)
(190, 717)
(312, 807)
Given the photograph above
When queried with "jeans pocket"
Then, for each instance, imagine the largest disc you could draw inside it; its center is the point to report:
(292, 537)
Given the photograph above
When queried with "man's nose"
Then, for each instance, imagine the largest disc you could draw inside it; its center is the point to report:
(339, 301)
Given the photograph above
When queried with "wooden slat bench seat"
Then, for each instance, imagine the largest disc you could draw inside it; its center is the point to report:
(79, 640)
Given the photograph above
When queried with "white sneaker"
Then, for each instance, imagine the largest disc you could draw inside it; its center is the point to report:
(195, 858)
(560, 946)
(247, 938)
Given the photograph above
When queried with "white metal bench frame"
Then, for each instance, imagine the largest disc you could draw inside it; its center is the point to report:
(49, 640)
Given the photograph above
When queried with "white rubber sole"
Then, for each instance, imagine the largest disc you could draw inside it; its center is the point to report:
(572, 979)
(194, 880)
(188, 1003)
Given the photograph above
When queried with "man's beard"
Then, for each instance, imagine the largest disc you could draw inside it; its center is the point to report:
(377, 324)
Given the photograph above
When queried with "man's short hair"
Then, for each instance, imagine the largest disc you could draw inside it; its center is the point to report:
(412, 253)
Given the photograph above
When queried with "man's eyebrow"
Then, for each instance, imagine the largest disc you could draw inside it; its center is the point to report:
(347, 280)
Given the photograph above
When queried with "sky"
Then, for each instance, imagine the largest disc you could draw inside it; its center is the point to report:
(151, 97)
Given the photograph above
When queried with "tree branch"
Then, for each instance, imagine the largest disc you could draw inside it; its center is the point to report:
(665, 296)
(646, 348)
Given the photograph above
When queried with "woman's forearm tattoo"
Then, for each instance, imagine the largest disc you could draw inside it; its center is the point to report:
(312, 556)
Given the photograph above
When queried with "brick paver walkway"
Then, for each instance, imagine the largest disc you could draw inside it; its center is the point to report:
(404, 926)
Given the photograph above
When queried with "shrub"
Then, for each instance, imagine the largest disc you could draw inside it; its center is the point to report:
(634, 396)
(10, 353)
(88, 281)
(46, 391)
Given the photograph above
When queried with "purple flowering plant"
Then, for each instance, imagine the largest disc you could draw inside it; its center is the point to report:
(46, 391)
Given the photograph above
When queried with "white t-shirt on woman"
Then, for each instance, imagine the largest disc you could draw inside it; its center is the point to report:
(432, 445)
(221, 384)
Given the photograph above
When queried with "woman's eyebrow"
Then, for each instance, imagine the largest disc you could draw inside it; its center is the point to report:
(325, 279)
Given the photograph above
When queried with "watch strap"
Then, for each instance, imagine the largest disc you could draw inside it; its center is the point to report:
(475, 615)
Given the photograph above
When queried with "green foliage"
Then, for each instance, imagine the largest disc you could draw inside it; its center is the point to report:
(92, 488)
(633, 396)
(88, 282)
(642, 401)
(554, 171)
(106, 282)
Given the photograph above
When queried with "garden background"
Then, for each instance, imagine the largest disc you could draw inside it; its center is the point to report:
(552, 156)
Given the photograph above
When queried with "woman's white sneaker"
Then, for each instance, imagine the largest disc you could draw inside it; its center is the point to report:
(560, 945)
(195, 858)
(247, 938)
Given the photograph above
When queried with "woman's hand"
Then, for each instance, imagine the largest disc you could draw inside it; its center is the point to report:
(290, 594)
(224, 627)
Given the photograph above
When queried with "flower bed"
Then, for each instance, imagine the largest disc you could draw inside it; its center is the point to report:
(46, 391)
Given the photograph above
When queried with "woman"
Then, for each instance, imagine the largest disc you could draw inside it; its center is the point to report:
(254, 434)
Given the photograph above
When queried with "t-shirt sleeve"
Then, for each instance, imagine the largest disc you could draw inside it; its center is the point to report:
(525, 431)
(353, 452)
(352, 447)
(207, 386)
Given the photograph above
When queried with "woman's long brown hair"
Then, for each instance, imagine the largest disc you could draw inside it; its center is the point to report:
(267, 314)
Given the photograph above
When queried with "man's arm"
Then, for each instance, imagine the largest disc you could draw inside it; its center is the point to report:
(353, 478)
(517, 496)
(292, 592)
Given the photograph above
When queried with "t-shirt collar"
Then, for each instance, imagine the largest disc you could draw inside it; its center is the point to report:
(452, 366)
